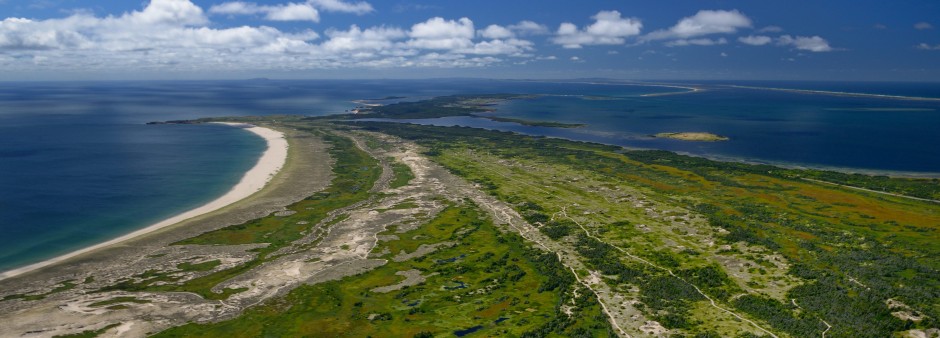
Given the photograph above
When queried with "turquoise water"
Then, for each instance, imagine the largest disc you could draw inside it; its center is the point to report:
(78, 166)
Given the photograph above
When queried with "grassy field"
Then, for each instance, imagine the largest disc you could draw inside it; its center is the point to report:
(485, 282)
(794, 255)
(701, 247)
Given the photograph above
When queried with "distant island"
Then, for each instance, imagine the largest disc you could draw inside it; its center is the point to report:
(530, 123)
(693, 136)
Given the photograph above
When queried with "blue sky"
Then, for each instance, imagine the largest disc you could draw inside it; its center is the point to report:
(221, 39)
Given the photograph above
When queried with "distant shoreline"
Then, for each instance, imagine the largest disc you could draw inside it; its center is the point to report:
(834, 93)
(269, 164)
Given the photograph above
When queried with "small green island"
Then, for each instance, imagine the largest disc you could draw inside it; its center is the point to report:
(693, 136)
(531, 123)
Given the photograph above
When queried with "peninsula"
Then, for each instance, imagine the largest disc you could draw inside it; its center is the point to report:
(394, 229)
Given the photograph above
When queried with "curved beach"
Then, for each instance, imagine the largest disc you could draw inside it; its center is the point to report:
(268, 165)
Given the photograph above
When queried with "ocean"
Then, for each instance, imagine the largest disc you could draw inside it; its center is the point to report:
(78, 165)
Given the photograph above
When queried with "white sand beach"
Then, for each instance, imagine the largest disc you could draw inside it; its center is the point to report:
(271, 161)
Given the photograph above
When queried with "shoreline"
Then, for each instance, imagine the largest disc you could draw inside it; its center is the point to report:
(712, 157)
(272, 160)
(835, 93)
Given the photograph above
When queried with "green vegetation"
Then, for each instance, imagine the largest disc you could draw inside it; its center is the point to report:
(491, 282)
(90, 333)
(118, 300)
(851, 250)
(531, 123)
(704, 248)
(443, 106)
(403, 175)
(355, 173)
(63, 286)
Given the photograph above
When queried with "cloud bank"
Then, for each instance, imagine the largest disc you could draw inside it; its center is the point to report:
(180, 36)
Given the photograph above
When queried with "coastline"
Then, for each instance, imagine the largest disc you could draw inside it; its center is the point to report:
(835, 93)
(268, 165)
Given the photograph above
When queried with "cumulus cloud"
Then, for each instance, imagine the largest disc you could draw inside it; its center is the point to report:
(923, 26)
(511, 47)
(437, 33)
(176, 35)
(808, 43)
(496, 32)
(696, 42)
(755, 40)
(286, 12)
(340, 6)
(705, 22)
(527, 27)
(302, 11)
(608, 29)
(356, 39)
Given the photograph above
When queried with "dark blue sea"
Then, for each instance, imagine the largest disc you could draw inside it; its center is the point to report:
(79, 166)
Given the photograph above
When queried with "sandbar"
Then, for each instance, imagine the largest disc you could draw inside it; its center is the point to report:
(268, 165)
(692, 136)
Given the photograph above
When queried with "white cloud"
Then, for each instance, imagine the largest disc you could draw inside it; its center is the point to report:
(287, 12)
(724, 55)
(437, 33)
(511, 47)
(812, 43)
(608, 29)
(176, 36)
(923, 26)
(705, 22)
(925, 46)
(299, 11)
(237, 7)
(755, 40)
(696, 42)
(356, 39)
(438, 28)
(340, 6)
(496, 32)
(879, 26)
(527, 27)
(293, 12)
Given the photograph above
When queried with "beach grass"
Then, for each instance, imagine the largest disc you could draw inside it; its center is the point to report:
(840, 253)
(403, 175)
(89, 333)
(490, 282)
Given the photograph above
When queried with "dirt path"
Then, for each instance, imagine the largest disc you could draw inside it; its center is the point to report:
(710, 300)
(872, 191)
(624, 251)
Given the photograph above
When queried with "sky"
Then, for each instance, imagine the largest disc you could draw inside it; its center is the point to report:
(843, 40)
